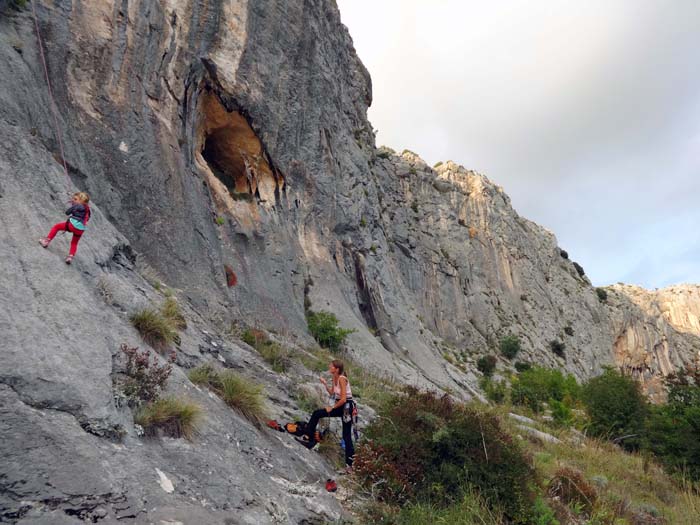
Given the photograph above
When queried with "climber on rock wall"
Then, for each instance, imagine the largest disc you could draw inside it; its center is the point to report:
(78, 217)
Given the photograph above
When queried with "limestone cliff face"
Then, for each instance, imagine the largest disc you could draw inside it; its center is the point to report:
(221, 137)
(656, 332)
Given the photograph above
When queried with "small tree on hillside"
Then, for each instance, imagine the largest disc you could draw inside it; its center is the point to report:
(510, 346)
(324, 327)
(672, 428)
(617, 408)
(486, 365)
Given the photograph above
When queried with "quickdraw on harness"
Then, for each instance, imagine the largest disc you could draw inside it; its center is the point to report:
(350, 415)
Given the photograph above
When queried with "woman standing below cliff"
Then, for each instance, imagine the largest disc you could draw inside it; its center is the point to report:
(344, 407)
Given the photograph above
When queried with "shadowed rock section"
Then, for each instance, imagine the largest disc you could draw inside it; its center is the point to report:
(234, 153)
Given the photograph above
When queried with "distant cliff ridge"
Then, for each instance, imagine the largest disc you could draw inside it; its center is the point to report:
(228, 142)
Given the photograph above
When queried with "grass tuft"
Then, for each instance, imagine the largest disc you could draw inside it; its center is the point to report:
(205, 375)
(237, 391)
(273, 353)
(173, 416)
(244, 395)
(171, 311)
(154, 327)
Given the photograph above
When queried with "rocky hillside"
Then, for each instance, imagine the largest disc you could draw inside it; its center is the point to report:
(221, 139)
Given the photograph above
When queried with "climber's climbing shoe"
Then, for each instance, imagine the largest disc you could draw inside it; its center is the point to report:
(331, 486)
(308, 443)
(44, 242)
(69, 259)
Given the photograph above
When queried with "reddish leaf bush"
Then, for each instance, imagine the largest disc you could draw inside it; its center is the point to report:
(145, 378)
(570, 486)
(379, 475)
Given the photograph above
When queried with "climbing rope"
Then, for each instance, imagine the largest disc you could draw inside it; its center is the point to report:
(57, 129)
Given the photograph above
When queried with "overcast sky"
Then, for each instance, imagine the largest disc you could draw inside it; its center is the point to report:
(587, 113)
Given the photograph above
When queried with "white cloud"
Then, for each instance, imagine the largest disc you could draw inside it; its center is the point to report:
(588, 113)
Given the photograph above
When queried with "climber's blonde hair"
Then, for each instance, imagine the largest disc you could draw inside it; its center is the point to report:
(83, 197)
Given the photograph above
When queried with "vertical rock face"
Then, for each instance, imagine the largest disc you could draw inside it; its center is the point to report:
(226, 145)
(656, 332)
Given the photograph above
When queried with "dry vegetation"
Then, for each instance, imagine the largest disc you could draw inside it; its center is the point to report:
(172, 416)
(237, 391)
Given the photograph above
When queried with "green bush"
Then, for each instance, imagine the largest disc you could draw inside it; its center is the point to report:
(172, 416)
(672, 429)
(510, 346)
(561, 413)
(253, 337)
(543, 514)
(486, 365)
(616, 407)
(602, 294)
(673, 436)
(579, 269)
(324, 328)
(521, 366)
(539, 385)
(385, 152)
(425, 447)
(155, 329)
(557, 348)
(495, 391)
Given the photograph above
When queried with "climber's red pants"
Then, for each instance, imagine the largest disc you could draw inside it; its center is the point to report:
(67, 226)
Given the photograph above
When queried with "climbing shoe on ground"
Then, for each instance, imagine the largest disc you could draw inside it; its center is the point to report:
(308, 443)
(44, 242)
(69, 259)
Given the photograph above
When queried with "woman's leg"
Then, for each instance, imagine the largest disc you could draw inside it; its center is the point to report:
(58, 227)
(313, 422)
(318, 414)
(349, 448)
(77, 234)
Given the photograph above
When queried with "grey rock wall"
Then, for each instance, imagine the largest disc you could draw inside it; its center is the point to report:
(213, 134)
